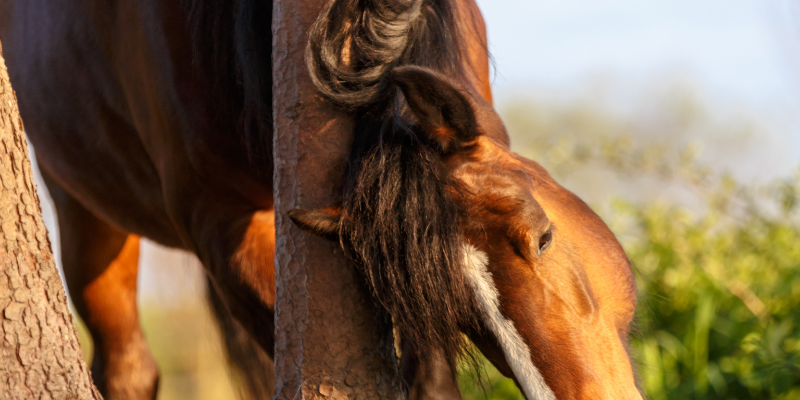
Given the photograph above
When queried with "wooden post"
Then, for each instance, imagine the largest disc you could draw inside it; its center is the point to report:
(327, 342)
(40, 356)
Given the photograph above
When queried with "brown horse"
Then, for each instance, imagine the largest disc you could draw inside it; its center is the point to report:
(153, 118)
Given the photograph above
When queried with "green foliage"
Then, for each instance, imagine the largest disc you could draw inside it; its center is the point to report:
(719, 297)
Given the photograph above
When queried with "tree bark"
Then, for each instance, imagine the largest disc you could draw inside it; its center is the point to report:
(40, 357)
(328, 343)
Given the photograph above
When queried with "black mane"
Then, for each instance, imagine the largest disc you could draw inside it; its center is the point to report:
(399, 222)
(354, 44)
(403, 230)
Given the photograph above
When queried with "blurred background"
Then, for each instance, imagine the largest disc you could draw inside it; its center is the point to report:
(678, 121)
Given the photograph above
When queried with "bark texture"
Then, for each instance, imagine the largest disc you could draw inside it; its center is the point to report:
(40, 357)
(328, 344)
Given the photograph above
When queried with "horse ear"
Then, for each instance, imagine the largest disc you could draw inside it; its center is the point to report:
(443, 111)
(323, 222)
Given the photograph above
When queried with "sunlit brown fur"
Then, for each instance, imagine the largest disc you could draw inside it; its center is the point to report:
(573, 305)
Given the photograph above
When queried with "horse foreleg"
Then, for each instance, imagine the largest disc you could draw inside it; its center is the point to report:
(242, 296)
(100, 266)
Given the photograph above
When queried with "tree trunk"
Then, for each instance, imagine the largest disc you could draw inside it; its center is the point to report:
(40, 355)
(328, 344)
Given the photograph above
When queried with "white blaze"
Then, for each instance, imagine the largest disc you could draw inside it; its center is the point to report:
(516, 351)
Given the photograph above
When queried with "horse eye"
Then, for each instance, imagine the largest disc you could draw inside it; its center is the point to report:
(545, 240)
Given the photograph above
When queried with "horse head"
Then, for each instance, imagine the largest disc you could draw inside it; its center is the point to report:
(550, 288)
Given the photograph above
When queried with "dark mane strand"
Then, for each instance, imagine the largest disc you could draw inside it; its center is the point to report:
(354, 44)
(402, 228)
(399, 222)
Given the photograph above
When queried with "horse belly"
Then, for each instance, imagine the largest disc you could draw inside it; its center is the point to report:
(76, 116)
(119, 185)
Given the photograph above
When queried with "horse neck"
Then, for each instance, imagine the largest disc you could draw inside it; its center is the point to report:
(477, 60)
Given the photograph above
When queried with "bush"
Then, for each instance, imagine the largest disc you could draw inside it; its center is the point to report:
(719, 298)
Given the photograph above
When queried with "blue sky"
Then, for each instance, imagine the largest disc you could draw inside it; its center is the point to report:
(735, 48)
(738, 55)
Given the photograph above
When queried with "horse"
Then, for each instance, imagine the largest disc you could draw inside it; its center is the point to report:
(153, 119)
